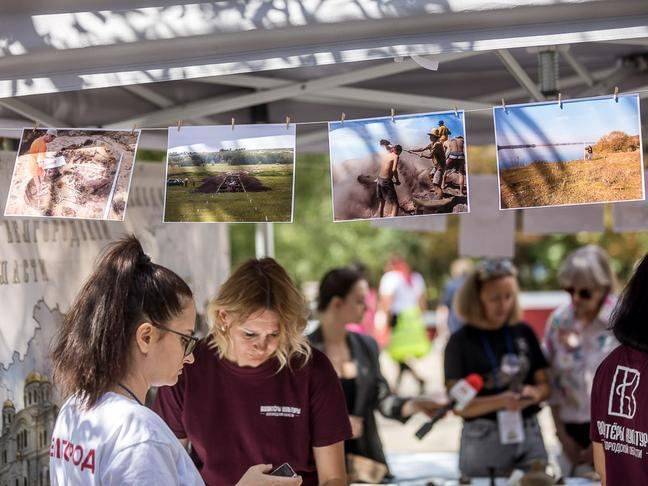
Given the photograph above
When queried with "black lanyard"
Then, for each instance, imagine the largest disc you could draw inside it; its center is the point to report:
(130, 393)
(490, 353)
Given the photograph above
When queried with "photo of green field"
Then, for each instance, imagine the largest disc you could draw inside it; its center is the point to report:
(229, 182)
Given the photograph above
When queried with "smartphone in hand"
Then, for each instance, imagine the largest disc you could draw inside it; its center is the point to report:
(285, 471)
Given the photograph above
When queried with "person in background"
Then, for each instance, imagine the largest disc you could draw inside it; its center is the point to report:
(446, 316)
(401, 296)
(619, 423)
(500, 431)
(130, 327)
(257, 392)
(342, 297)
(366, 325)
(577, 338)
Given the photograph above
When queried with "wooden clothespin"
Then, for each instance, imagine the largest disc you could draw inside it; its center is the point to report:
(393, 112)
(616, 94)
(287, 122)
(504, 105)
(233, 121)
(179, 124)
(342, 117)
(456, 111)
(560, 100)
(133, 129)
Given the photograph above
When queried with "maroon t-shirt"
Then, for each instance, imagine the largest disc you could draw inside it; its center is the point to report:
(237, 417)
(619, 418)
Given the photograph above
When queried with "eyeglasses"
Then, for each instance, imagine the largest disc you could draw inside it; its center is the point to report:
(189, 342)
(584, 294)
(489, 269)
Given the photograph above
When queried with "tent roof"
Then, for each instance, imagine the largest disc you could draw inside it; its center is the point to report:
(159, 61)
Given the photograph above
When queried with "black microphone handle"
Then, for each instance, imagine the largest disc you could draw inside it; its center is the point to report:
(427, 426)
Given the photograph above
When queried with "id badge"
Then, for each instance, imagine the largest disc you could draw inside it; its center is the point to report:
(511, 426)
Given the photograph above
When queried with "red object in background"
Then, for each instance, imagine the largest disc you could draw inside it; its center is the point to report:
(538, 306)
(432, 332)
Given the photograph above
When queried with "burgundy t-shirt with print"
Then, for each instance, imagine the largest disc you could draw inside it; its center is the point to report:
(237, 417)
(619, 418)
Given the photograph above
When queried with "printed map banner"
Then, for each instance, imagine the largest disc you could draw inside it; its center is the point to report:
(43, 263)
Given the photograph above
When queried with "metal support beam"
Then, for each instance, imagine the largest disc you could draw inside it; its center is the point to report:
(577, 66)
(34, 114)
(264, 240)
(222, 104)
(159, 100)
(519, 74)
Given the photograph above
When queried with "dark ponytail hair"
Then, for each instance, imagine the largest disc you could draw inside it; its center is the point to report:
(630, 317)
(91, 349)
(336, 283)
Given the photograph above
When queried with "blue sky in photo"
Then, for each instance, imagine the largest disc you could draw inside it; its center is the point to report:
(359, 139)
(578, 121)
(215, 137)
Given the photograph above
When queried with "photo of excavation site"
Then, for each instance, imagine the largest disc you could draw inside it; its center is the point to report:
(216, 174)
(72, 173)
(405, 166)
(582, 151)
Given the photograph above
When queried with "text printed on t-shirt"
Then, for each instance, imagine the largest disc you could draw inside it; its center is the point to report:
(74, 453)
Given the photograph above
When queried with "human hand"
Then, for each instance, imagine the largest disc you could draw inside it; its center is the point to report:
(357, 426)
(532, 393)
(511, 401)
(259, 476)
(426, 405)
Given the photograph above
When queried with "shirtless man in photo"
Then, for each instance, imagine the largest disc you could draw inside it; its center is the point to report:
(388, 179)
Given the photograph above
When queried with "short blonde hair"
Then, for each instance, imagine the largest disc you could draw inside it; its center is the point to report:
(589, 266)
(255, 286)
(467, 302)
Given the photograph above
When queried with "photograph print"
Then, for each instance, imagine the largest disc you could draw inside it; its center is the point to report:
(220, 174)
(582, 151)
(402, 166)
(72, 173)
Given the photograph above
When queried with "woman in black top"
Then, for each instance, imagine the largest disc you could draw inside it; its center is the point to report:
(355, 358)
(500, 431)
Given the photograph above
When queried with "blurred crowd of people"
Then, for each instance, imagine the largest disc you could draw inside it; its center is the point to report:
(258, 398)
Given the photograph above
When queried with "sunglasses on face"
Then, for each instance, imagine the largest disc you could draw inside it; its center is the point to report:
(584, 294)
(188, 341)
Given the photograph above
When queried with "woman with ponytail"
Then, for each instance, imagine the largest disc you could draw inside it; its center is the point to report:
(130, 327)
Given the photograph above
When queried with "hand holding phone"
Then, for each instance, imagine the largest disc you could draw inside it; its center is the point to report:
(285, 470)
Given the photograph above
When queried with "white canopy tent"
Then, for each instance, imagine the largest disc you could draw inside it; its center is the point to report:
(151, 63)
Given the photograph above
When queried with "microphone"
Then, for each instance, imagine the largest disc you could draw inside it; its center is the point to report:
(461, 394)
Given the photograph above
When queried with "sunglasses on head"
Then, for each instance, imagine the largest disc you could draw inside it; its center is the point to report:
(584, 294)
(188, 341)
(494, 268)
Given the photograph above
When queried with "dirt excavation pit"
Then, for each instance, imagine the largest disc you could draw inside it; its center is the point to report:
(85, 180)
(232, 182)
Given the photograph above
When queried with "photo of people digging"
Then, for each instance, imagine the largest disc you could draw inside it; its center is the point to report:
(241, 175)
(405, 166)
(72, 173)
(582, 151)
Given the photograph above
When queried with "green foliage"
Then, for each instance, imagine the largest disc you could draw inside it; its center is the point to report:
(232, 157)
(314, 244)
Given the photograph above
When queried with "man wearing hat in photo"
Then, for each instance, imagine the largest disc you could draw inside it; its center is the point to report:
(38, 151)
(436, 154)
(442, 131)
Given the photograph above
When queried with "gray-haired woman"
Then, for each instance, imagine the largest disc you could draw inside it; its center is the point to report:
(577, 339)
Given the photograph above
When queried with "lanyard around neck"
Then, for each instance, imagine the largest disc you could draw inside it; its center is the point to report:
(490, 353)
(127, 390)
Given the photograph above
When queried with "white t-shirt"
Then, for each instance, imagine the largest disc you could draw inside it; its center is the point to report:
(116, 442)
(404, 294)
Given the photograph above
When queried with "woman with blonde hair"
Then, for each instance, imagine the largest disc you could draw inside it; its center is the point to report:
(500, 431)
(257, 392)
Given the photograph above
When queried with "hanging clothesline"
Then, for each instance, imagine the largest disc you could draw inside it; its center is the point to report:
(560, 101)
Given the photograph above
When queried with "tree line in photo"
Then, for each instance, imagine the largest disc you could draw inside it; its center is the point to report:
(239, 156)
